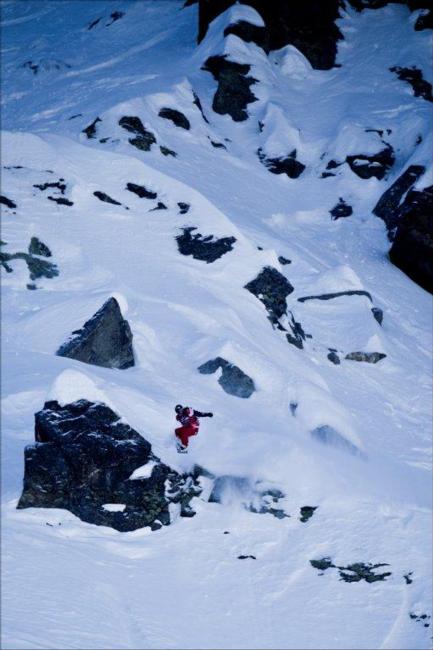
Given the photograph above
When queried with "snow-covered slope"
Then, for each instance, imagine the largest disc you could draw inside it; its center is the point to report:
(68, 584)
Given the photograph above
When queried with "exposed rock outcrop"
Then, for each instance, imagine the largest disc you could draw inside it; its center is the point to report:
(233, 93)
(412, 249)
(233, 380)
(308, 25)
(37, 267)
(104, 340)
(352, 572)
(341, 210)
(207, 249)
(367, 357)
(141, 191)
(375, 165)
(102, 196)
(90, 130)
(414, 77)
(7, 202)
(272, 289)
(89, 461)
(388, 206)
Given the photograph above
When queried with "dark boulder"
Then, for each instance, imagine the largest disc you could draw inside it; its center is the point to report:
(115, 15)
(378, 314)
(83, 460)
(374, 165)
(183, 207)
(105, 198)
(367, 357)
(159, 206)
(176, 117)
(288, 165)
(387, 208)
(104, 340)
(341, 210)
(308, 25)
(60, 200)
(412, 248)
(333, 357)
(141, 191)
(283, 260)
(233, 380)
(306, 513)
(414, 77)
(207, 249)
(233, 93)
(272, 289)
(167, 152)
(143, 139)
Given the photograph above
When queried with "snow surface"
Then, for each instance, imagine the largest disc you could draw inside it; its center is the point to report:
(68, 584)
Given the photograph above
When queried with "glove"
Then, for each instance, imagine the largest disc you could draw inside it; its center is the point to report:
(210, 415)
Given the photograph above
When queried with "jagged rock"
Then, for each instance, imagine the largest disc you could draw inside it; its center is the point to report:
(357, 571)
(183, 207)
(37, 247)
(414, 77)
(272, 289)
(144, 139)
(388, 206)
(424, 20)
(105, 198)
(141, 191)
(83, 460)
(329, 436)
(378, 314)
(412, 249)
(337, 294)
(298, 336)
(341, 209)
(420, 618)
(7, 202)
(159, 206)
(60, 200)
(366, 166)
(206, 249)
(306, 513)
(368, 357)
(233, 380)
(233, 93)
(308, 25)
(197, 102)
(104, 340)
(334, 358)
(288, 165)
(90, 130)
(176, 117)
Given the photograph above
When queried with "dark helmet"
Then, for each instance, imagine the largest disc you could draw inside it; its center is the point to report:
(178, 408)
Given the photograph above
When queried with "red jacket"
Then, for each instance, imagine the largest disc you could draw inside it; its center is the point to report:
(188, 418)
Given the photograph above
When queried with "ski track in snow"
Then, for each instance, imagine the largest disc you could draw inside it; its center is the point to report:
(68, 584)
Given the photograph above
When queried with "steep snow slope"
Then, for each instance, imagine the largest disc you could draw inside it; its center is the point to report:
(70, 584)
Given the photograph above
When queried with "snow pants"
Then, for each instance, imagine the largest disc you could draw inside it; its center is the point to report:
(184, 433)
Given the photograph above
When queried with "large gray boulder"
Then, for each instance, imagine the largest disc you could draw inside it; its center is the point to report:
(233, 380)
(104, 340)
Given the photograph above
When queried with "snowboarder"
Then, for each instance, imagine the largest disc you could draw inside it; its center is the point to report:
(188, 418)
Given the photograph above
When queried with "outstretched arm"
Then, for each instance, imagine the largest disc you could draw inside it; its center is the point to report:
(199, 414)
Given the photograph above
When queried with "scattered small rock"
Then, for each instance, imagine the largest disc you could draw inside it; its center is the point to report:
(207, 249)
(421, 618)
(144, 139)
(60, 185)
(60, 200)
(283, 260)
(306, 513)
(141, 191)
(408, 578)
(116, 15)
(368, 357)
(37, 247)
(159, 206)
(183, 207)
(378, 314)
(167, 152)
(7, 202)
(341, 209)
(90, 130)
(176, 117)
(218, 145)
(334, 358)
(37, 268)
(105, 198)
(352, 572)
(246, 557)
(93, 23)
(288, 165)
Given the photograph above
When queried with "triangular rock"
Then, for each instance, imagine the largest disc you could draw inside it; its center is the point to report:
(104, 340)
